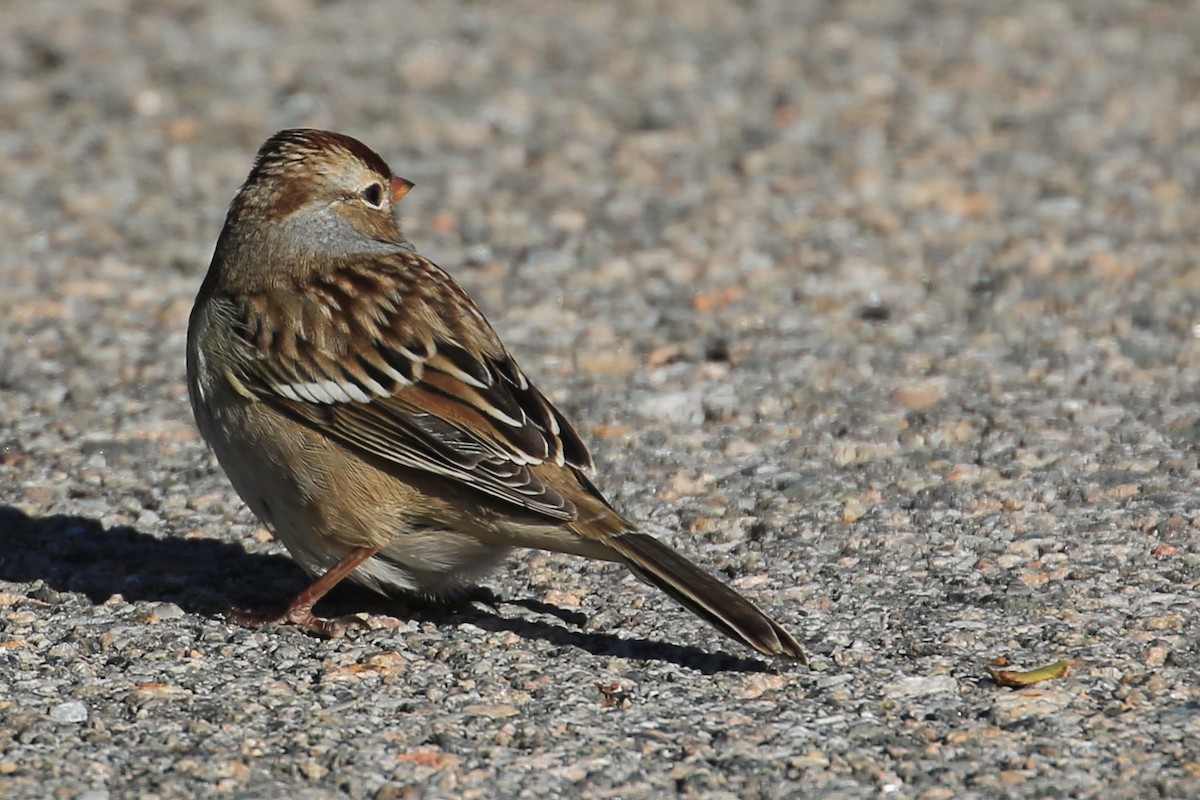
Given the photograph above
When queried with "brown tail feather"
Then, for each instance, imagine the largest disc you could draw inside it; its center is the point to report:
(702, 594)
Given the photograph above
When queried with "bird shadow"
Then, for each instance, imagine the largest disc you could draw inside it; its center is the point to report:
(204, 576)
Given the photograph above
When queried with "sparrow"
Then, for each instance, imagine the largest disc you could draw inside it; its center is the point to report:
(370, 417)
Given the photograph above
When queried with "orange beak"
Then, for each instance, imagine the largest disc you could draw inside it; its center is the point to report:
(400, 187)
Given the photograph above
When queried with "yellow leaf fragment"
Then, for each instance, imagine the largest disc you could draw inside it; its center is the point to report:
(1016, 680)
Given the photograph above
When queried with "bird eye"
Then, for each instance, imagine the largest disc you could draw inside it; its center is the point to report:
(373, 195)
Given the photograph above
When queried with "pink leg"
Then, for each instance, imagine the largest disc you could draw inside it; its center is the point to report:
(299, 611)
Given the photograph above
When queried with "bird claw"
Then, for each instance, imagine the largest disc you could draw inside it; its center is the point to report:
(299, 617)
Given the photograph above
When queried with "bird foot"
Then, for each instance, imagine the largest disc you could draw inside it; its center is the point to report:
(300, 617)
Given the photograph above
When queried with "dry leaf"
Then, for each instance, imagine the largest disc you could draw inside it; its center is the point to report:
(1016, 680)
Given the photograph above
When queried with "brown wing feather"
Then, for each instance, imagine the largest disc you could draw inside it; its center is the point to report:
(395, 373)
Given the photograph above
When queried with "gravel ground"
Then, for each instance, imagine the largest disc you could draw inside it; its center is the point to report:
(885, 311)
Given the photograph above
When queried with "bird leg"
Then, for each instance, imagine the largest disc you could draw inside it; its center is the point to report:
(299, 612)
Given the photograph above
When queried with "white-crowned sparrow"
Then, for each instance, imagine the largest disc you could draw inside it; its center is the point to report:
(368, 414)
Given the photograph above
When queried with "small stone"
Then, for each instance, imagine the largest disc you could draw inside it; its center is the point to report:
(721, 403)
(1031, 702)
(813, 759)
(682, 408)
(70, 711)
(919, 396)
(607, 362)
(920, 686)
(497, 711)
(166, 611)
(1157, 656)
(153, 690)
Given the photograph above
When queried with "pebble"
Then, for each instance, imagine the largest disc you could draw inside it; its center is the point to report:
(70, 711)
(915, 686)
(672, 408)
(1030, 702)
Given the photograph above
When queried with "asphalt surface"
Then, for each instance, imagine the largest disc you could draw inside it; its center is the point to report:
(884, 311)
